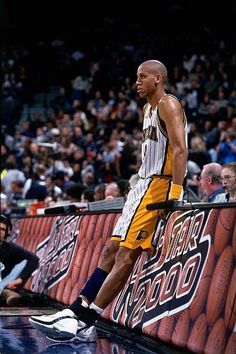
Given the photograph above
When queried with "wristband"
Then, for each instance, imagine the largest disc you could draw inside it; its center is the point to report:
(176, 191)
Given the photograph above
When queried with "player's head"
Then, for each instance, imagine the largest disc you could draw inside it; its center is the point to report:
(5, 226)
(150, 75)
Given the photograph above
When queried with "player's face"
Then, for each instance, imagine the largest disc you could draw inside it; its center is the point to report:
(3, 229)
(145, 82)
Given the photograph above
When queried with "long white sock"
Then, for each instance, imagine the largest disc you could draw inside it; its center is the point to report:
(96, 308)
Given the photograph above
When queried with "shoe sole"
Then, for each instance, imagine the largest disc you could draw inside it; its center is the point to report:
(75, 340)
(51, 331)
(60, 340)
(85, 340)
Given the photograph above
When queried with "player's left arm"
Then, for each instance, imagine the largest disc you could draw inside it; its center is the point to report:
(172, 114)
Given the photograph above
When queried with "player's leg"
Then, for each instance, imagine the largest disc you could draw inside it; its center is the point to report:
(140, 226)
(137, 228)
(93, 285)
(65, 322)
(117, 278)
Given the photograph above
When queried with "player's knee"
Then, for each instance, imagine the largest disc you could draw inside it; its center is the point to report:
(108, 255)
(126, 256)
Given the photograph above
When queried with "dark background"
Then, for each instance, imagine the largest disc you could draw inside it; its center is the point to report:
(26, 21)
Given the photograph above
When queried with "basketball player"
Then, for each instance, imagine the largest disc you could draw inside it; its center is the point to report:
(164, 159)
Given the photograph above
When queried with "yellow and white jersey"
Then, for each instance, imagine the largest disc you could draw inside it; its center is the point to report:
(157, 152)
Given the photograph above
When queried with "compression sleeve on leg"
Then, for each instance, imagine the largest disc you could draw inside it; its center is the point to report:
(94, 284)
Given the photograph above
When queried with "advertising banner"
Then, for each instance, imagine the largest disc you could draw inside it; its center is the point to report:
(184, 293)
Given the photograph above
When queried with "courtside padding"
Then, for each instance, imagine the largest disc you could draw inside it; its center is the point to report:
(184, 293)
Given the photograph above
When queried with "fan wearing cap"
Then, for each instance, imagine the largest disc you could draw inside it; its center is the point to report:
(16, 265)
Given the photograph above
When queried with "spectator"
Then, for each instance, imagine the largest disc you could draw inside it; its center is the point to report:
(35, 188)
(54, 192)
(36, 191)
(16, 194)
(228, 178)
(12, 174)
(123, 185)
(4, 202)
(227, 148)
(99, 192)
(210, 181)
(74, 192)
(87, 195)
(112, 191)
(88, 179)
(61, 180)
(198, 152)
(16, 265)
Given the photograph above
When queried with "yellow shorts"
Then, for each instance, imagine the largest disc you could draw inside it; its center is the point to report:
(136, 226)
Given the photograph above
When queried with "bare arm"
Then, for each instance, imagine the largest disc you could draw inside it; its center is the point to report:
(172, 114)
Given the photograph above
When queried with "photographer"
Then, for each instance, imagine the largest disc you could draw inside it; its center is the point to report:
(16, 266)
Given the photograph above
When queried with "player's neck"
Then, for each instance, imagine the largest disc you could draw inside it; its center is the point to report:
(154, 101)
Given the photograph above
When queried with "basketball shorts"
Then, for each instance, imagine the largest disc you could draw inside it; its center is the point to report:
(136, 226)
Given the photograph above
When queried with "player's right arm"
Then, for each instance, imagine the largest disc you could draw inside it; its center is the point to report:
(172, 114)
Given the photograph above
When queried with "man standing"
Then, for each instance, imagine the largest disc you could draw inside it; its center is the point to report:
(164, 159)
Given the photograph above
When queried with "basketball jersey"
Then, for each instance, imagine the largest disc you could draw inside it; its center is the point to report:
(157, 151)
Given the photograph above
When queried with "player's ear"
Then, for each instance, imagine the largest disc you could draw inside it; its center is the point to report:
(158, 79)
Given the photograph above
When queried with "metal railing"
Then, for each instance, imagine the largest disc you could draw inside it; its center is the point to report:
(184, 205)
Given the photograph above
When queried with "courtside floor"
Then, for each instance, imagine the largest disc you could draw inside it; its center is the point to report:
(18, 336)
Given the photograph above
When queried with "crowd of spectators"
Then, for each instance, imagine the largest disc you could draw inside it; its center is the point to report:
(91, 132)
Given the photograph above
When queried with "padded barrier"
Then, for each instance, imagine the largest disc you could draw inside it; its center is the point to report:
(184, 293)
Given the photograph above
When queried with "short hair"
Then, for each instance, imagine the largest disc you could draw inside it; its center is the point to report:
(75, 191)
(231, 166)
(7, 221)
(89, 194)
(213, 170)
